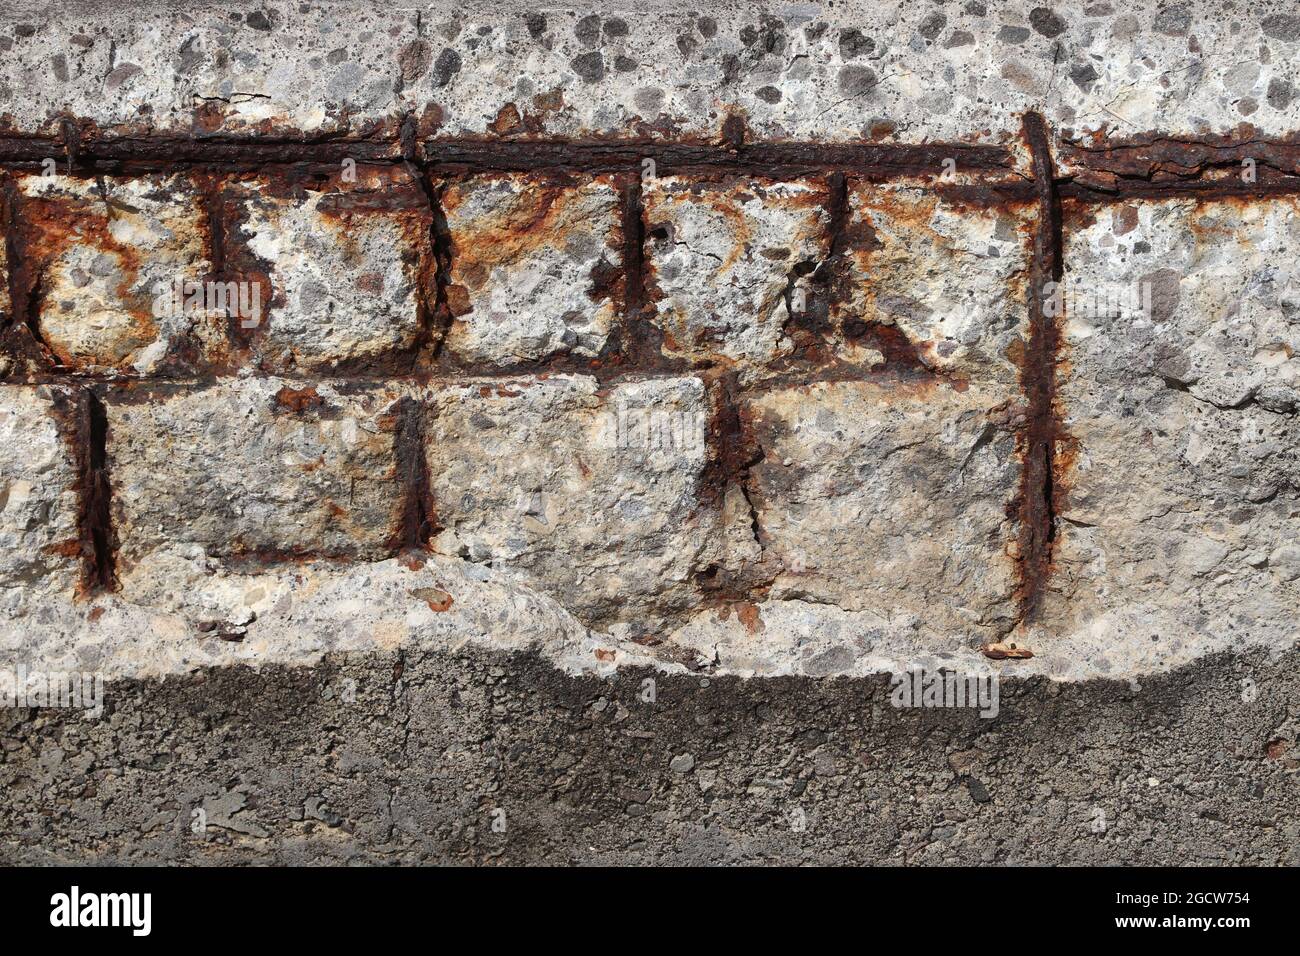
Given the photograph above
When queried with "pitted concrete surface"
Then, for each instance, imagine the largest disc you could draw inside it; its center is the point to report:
(896, 69)
(495, 758)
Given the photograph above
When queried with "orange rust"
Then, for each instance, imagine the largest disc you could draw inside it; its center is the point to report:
(415, 512)
(1077, 214)
(531, 220)
(232, 260)
(1065, 458)
(84, 426)
(208, 117)
(68, 548)
(520, 225)
(750, 617)
(52, 226)
(1006, 650)
(299, 400)
(545, 105)
(1156, 156)
(436, 598)
(507, 121)
(1039, 438)
(730, 438)
(847, 280)
(347, 207)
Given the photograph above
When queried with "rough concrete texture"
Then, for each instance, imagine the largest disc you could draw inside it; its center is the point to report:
(753, 243)
(101, 254)
(895, 70)
(254, 467)
(946, 275)
(350, 261)
(39, 517)
(1194, 392)
(922, 484)
(534, 266)
(593, 495)
(630, 393)
(423, 757)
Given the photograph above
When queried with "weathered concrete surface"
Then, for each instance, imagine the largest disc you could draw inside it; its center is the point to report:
(849, 469)
(753, 431)
(893, 70)
(566, 484)
(406, 757)
(102, 252)
(754, 243)
(350, 262)
(38, 523)
(254, 466)
(534, 266)
(1181, 370)
(950, 278)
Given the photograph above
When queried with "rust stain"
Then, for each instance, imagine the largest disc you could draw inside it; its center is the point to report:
(84, 426)
(1158, 156)
(507, 121)
(529, 220)
(529, 216)
(1039, 438)
(859, 265)
(299, 400)
(20, 339)
(1008, 650)
(417, 520)
(811, 329)
(53, 225)
(437, 599)
(1151, 165)
(733, 450)
(226, 218)
(354, 211)
(750, 617)
(730, 440)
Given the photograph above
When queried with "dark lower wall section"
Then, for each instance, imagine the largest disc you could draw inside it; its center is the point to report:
(481, 758)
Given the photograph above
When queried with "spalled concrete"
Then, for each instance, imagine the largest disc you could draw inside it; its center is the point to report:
(630, 393)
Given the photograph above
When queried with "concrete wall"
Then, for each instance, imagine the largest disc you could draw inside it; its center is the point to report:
(464, 433)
